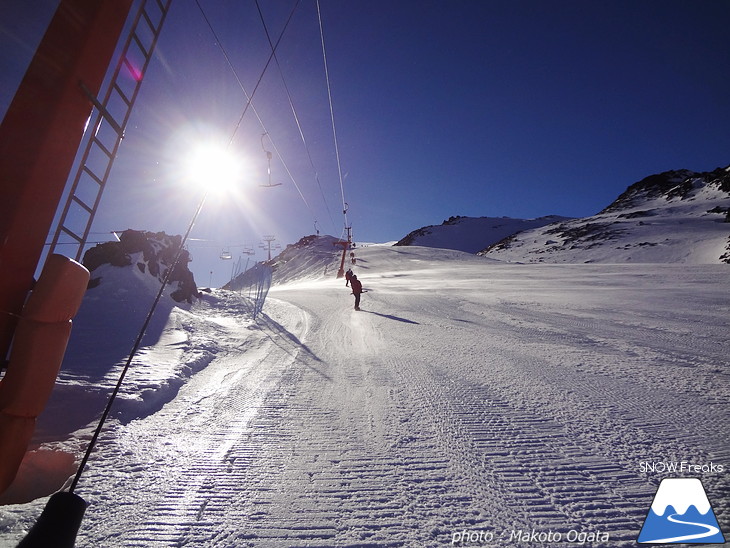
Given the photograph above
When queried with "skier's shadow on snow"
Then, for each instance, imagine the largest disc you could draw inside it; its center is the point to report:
(296, 344)
(390, 317)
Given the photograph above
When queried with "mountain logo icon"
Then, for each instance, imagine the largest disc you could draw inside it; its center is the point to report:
(681, 513)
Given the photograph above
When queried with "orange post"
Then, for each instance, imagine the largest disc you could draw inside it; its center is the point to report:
(345, 246)
(38, 349)
(40, 135)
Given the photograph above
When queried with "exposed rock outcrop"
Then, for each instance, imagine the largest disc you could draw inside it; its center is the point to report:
(152, 253)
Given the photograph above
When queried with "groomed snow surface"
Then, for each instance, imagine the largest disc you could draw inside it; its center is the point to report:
(470, 402)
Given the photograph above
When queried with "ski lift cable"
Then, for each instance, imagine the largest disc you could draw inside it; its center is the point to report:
(223, 50)
(249, 97)
(291, 177)
(332, 113)
(266, 66)
(296, 116)
(230, 64)
(133, 351)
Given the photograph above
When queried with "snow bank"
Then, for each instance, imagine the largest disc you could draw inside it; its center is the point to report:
(176, 345)
(675, 217)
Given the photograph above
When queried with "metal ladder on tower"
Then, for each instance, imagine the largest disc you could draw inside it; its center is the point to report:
(105, 133)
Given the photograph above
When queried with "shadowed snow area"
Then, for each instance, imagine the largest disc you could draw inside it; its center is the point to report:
(468, 395)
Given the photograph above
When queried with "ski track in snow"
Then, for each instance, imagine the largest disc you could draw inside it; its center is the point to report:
(489, 398)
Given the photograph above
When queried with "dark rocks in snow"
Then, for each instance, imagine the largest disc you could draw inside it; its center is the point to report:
(454, 219)
(570, 235)
(107, 253)
(583, 232)
(721, 177)
(725, 257)
(315, 244)
(504, 243)
(721, 210)
(668, 217)
(673, 185)
(411, 237)
(306, 241)
(158, 252)
(638, 214)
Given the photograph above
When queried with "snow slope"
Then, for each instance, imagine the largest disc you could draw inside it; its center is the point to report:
(472, 234)
(469, 397)
(673, 217)
(310, 257)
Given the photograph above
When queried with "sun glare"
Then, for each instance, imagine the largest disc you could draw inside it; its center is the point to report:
(214, 168)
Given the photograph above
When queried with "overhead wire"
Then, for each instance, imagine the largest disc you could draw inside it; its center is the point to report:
(263, 72)
(332, 115)
(249, 98)
(296, 116)
(249, 104)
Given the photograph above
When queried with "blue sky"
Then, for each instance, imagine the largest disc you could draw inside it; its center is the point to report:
(461, 107)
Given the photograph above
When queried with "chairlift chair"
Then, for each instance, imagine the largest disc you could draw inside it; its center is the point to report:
(268, 158)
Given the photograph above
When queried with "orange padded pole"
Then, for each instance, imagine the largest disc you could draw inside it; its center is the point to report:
(38, 348)
(15, 435)
(40, 135)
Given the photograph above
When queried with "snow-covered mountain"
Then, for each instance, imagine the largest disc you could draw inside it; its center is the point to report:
(672, 217)
(472, 234)
(311, 257)
(680, 494)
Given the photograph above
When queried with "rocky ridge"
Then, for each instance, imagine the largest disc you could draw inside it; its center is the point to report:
(151, 253)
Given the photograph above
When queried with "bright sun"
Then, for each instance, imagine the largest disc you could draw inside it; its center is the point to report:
(214, 168)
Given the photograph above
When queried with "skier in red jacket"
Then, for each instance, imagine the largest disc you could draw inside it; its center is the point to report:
(356, 290)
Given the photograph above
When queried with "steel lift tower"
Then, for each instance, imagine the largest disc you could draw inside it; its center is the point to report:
(266, 244)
